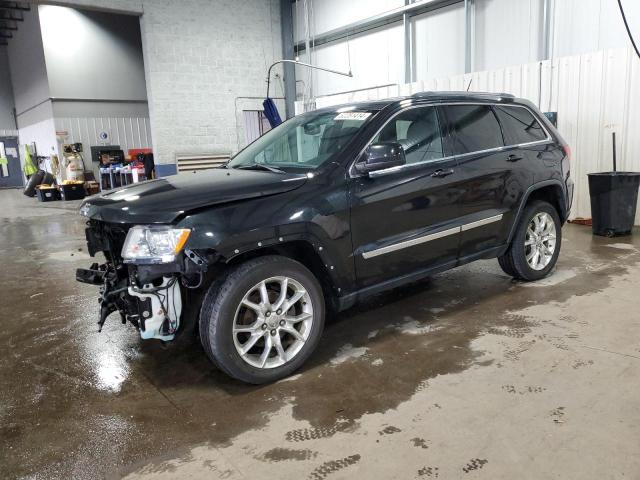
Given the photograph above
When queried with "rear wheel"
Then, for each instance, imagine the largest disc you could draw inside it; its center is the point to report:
(536, 244)
(264, 320)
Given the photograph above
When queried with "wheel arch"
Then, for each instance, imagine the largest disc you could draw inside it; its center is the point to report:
(550, 191)
(303, 251)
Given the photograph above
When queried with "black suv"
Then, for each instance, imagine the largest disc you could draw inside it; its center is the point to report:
(325, 210)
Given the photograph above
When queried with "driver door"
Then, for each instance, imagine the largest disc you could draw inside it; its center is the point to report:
(406, 219)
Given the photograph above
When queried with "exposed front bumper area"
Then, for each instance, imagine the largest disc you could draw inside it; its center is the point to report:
(154, 308)
(159, 309)
(147, 296)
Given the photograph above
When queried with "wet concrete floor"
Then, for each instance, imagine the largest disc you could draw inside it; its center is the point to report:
(467, 375)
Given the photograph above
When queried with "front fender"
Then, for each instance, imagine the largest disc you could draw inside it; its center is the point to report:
(322, 222)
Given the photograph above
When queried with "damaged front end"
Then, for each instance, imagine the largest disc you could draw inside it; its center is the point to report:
(142, 277)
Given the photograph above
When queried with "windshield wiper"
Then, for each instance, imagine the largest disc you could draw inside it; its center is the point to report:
(260, 166)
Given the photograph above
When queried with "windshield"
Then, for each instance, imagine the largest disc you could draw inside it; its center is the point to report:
(304, 142)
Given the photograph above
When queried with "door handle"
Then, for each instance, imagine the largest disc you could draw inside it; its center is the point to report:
(513, 158)
(440, 173)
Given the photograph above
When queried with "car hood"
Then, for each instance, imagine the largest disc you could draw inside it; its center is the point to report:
(166, 199)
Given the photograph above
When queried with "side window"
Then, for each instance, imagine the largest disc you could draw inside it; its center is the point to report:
(418, 131)
(473, 128)
(519, 125)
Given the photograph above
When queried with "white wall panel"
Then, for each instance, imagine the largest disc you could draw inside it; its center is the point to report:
(376, 59)
(507, 32)
(582, 26)
(326, 15)
(589, 123)
(439, 42)
(42, 134)
(630, 147)
(594, 94)
(128, 132)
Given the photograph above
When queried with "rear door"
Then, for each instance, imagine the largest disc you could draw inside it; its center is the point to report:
(491, 186)
(405, 219)
(529, 146)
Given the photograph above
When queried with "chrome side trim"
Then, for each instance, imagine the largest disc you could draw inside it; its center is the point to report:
(499, 149)
(407, 166)
(432, 236)
(480, 223)
(410, 243)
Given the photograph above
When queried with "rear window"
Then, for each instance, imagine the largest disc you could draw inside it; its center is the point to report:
(473, 128)
(519, 125)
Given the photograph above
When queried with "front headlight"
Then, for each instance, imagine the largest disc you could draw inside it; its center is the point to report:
(154, 244)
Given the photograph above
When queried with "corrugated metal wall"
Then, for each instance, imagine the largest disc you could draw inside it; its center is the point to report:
(505, 32)
(128, 132)
(594, 94)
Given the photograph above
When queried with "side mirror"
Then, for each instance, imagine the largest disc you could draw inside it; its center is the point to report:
(379, 156)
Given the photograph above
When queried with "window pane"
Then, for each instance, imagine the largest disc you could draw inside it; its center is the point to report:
(418, 131)
(305, 141)
(473, 128)
(519, 125)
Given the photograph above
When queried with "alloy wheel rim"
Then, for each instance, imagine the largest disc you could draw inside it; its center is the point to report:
(272, 322)
(540, 241)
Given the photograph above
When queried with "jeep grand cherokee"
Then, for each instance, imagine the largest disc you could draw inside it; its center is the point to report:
(330, 207)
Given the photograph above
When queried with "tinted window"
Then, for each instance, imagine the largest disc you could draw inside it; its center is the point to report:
(473, 128)
(519, 125)
(306, 141)
(418, 131)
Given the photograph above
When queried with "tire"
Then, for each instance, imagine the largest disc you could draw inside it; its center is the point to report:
(515, 260)
(224, 310)
(506, 266)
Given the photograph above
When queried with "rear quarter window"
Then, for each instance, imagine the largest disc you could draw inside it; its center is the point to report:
(472, 128)
(519, 125)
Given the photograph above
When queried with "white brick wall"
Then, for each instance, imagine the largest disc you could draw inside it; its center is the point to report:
(199, 56)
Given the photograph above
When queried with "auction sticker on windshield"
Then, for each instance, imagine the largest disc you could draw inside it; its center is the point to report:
(353, 116)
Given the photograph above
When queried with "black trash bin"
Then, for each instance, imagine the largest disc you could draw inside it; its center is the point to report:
(614, 196)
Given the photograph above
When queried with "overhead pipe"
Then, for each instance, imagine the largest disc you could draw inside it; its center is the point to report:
(302, 64)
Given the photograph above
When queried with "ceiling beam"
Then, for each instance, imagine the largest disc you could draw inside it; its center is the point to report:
(6, 25)
(24, 7)
(10, 15)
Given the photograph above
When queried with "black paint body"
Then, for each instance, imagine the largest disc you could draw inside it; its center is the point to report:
(341, 212)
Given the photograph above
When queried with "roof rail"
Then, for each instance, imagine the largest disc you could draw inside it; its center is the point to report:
(498, 97)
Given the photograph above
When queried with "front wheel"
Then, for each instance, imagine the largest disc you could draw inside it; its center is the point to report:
(264, 320)
(535, 247)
